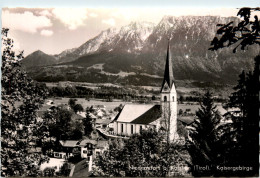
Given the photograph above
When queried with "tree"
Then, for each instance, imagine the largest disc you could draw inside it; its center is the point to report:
(78, 108)
(70, 91)
(242, 149)
(21, 98)
(180, 111)
(118, 108)
(72, 102)
(76, 132)
(203, 145)
(60, 128)
(241, 136)
(181, 99)
(142, 155)
(89, 122)
(65, 170)
(246, 33)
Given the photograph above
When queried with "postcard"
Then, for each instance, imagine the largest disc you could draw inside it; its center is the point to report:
(132, 91)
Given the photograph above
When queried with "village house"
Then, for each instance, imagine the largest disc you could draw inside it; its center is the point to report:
(67, 148)
(102, 123)
(86, 148)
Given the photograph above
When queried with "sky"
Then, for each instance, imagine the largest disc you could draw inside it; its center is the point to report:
(52, 28)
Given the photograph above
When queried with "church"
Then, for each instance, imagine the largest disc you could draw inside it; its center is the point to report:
(135, 117)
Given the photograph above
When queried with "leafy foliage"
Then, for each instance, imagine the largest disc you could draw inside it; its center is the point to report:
(60, 125)
(246, 33)
(89, 122)
(21, 98)
(141, 155)
(78, 108)
(240, 138)
(72, 102)
(65, 170)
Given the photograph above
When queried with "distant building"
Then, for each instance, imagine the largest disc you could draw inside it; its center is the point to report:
(102, 123)
(99, 107)
(67, 147)
(87, 148)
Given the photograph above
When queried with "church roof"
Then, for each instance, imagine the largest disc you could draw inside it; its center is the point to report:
(145, 114)
(130, 112)
(168, 72)
(149, 116)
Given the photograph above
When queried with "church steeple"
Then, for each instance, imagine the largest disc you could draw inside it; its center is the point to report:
(169, 100)
(168, 72)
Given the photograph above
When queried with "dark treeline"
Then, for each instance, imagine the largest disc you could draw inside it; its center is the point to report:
(198, 99)
(108, 93)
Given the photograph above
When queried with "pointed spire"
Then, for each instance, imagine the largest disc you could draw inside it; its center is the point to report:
(168, 72)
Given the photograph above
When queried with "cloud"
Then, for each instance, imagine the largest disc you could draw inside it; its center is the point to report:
(25, 21)
(93, 14)
(45, 13)
(110, 21)
(46, 32)
(126, 13)
(72, 18)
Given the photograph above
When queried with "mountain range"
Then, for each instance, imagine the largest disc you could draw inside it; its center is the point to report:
(135, 54)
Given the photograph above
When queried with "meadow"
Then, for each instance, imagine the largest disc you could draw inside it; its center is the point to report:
(193, 106)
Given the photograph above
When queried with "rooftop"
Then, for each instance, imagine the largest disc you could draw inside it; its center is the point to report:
(103, 121)
(69, 143)
(132, 111)
(85, 141)
(149, 116)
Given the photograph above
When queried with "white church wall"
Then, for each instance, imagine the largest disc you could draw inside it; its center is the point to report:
(130, 128)
(115, 125)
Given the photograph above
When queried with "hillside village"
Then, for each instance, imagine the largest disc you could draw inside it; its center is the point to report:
(119, 123)
(102, 125)
(87, 148)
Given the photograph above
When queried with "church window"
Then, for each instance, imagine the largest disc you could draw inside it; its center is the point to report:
(173, 98)
(122, 128)
(141, 128)
(132, 129)
(165, 98)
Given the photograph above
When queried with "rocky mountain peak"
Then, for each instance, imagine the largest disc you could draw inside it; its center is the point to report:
(141, 46)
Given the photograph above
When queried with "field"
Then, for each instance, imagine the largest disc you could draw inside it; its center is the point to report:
(184, 88)
(111, 105)
(195, 107)
(86, 103)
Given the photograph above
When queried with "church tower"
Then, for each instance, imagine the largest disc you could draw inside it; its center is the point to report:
(169, 100)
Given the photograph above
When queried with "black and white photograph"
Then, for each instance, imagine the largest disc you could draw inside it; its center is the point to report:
(131, 90)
